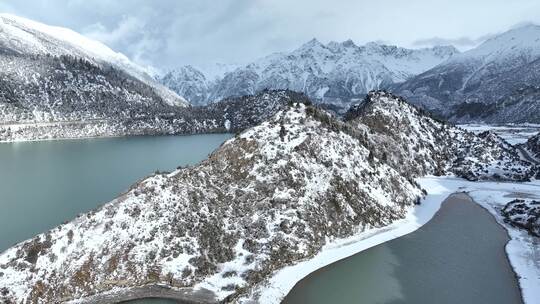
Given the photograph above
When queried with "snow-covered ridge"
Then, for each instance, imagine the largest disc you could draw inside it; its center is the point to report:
(532, 146)
(336, 73)
(27, 37)
(496, 82)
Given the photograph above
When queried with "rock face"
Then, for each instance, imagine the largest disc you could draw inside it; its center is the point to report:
(524, 214)
(273, 195)
(336, 73)
(413, 141)
(532, 146)
(52, 74)
(497, 82)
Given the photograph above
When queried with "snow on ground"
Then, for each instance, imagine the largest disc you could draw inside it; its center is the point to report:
(513, 133)
(523, 250)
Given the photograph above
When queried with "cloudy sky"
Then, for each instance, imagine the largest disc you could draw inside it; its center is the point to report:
(168, 33)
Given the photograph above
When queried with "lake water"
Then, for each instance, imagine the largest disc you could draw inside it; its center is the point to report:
(457, 257)
(43, 184)
(152, 301)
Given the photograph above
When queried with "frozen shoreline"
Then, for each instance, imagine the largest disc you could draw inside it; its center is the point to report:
(522, 251)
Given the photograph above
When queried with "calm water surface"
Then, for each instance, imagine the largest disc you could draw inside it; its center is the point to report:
(457, 257)
(43, 184)
(152, 301)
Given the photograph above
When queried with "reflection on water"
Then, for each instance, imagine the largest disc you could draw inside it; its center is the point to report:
(458, 257)
(43, 184)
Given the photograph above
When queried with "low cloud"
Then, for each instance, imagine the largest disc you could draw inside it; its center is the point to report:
(126, 29)
(461, 42)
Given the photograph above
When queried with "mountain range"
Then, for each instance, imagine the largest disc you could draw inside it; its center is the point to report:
(335, 73)
(496, 82)
(55, 83)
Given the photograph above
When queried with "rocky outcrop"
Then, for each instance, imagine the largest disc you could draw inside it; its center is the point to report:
(523, 213)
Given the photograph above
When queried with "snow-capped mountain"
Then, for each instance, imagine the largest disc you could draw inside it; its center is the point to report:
(54, 74)
(266, 199)
(190, 82)
(496, 82)
(337, 73)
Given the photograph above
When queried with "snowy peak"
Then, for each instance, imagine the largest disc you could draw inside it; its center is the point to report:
(26, 37)
(338, 73)
(312, 44)
(492, 83)
(521, 41)
(381, 102)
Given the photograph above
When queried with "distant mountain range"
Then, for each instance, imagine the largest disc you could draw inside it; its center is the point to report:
(54, 75)
(496, 82)
(335, 73)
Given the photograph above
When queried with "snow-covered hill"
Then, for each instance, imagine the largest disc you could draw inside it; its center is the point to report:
(54, 74)
(273, 195)
(499, 81)
(337, 73)
(413, 142)
(270, 197)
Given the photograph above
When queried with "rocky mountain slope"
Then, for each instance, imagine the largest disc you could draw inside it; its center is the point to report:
(273, 195)
(52, 74)
(497, 82)
(412, 141)
(335, 73)
(229, 115)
